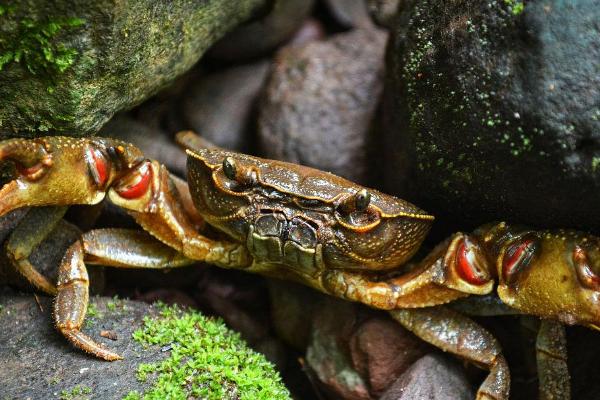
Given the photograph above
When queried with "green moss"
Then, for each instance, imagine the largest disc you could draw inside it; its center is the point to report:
(76, 393)
(34, 45)
(595, 163)
(207, 361)
(516, 7)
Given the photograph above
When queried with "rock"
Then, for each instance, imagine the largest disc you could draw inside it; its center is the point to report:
(383, 11)
(257, 38)
(94, 59)
(292, 310)
(154, 143)
(327, 353)
(350, 13)
(496, 108)
(311, 30)
(381, 350)
(320, 100)
(219, 106)
(39, 363)
(433, 377)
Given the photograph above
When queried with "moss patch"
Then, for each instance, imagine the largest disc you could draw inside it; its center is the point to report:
(34, 45)
(77, 393)
(207, 361)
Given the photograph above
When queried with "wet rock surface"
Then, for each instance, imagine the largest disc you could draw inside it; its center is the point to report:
(433, 377)
(98, 58)
(496, 108)
(47, 364)
(320, 100)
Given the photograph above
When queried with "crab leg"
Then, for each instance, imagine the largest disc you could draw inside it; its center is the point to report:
(456, 268)
(551, 351)
(112, 247)
(459, 335)
(37, 224)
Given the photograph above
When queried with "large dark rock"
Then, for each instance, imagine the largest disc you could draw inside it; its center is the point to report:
(496, 111)
(320, 100)
(68, 66)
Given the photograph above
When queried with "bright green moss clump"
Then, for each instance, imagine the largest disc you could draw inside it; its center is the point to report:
(207, 361)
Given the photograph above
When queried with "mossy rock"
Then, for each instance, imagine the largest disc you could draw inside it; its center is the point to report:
(68, 66)
(168, 353)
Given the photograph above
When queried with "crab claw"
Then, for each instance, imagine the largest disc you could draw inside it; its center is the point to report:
(60, 171)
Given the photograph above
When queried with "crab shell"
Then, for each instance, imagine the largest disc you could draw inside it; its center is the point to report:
(303, 217)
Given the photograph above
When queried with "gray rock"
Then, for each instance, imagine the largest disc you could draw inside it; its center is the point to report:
(496, 110)
(433, 377)
(37, 362)
(383, 11)
(320, 100)
(104, 57)
(219, 106)
(257, 38)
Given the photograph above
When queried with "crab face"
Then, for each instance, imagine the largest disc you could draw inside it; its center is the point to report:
(297, 215)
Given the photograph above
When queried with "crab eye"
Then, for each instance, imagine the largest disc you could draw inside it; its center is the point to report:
(229, 168)
(586, 275)
(98, 166)
(518, 256)
(362, 198)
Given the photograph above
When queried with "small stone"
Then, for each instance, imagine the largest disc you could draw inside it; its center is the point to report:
(433, 377)
(320, 100)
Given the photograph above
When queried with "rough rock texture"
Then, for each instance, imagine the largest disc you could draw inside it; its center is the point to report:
(219, 106)
(99, 57)
(433, 377)
(320, 100)
(48, 365)
(496, 110)
(257, 38)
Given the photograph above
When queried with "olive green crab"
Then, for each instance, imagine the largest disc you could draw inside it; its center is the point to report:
(293, 222)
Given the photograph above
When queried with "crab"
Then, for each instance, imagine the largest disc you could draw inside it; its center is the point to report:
(293, 222)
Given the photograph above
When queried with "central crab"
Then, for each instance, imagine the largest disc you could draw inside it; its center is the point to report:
(298, 223)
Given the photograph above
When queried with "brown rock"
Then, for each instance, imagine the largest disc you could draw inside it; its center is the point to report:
(382, 350)
(320, 100)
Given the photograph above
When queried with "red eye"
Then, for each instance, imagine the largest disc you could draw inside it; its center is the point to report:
(587, 277)
(98, 166)
(468, 266)
(136, 183)
(518, 256)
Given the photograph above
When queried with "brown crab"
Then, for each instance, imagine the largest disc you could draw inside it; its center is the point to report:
(298, 223)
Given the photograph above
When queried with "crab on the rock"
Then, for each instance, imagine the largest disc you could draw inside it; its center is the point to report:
(294, 222)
